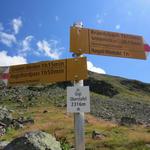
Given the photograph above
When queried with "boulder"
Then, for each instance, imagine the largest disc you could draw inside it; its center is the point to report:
(37, 140)
(25, 121)
(5, 116)
(3, 144)
(45, 111)
(2, 131)
(97, 135)
(128, 121)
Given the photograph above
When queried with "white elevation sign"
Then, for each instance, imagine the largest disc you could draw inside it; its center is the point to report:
(78, 99)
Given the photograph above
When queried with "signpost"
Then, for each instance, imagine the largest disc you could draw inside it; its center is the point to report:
(98, 42)
(48, 72)
(78, 99)
(79, 116)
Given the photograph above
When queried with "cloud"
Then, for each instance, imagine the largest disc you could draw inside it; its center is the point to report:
(1, 27)
(17, 24)
(129, 13)
(40, 25)
(26, 42)
(49, 48)
(118, 26)
(7, 39)
(25, 45)
(100, 17)
(7, 60)
(92, 68)
(56, 18)
(99, 21)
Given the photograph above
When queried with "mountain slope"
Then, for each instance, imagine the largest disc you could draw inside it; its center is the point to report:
(115, 97)
(111, 97)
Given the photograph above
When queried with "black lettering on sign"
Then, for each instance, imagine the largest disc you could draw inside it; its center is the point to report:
(58, 64)
(110, 52)
(53, 65)
(32, 67)
(24, 82)
(24, 75)
(130, 42)
(17, 69)
(104, 34)
(52, 72)
(99, 39)
(97, 51)
(74, 104)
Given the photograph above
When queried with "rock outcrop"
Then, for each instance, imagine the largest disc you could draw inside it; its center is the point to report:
(37, 140)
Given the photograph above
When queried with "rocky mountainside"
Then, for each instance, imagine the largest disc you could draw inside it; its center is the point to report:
(112, 98)
(34, 111)
(115, 97)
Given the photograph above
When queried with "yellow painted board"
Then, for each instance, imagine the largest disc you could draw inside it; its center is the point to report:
(77, 69)
(48, 72)
(106, 43)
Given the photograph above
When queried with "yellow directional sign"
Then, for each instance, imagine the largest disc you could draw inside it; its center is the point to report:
(48, 72)
(106, 43)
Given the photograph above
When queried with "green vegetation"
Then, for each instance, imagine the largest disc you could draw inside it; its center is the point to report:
(60, 124)
(111, 99)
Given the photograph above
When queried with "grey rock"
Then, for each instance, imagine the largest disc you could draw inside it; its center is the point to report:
(109, 109)
(128, 121)
(3, 144)
(25, 121)
(45, 111)
(17, 125)
(5, 116)
(37, 140)
(148, 145)
(2, 131)
(97, 135)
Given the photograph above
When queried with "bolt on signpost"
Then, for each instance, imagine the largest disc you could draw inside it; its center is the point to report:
(79, 117)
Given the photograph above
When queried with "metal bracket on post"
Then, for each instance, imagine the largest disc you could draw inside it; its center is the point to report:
(79, 117)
